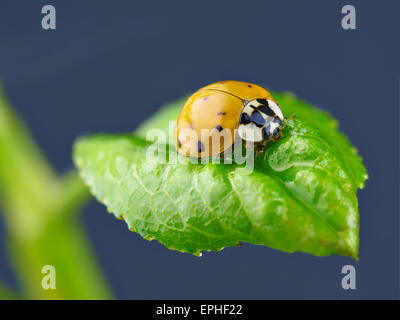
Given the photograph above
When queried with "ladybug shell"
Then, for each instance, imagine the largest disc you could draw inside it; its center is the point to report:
(211, 115)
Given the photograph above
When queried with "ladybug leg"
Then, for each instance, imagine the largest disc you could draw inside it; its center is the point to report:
(277, 137)
(260, 147)
(248, 146)
(287, 120)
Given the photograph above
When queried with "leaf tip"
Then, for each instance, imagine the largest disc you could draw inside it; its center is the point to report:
(148, 237)
(198, 254)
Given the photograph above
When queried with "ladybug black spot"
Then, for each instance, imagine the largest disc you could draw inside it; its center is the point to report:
(263, 101)
(244, 118)
(250, 86)
(221, 113)
(200, 147)
(267, 132)
(219, 128)
(278, 121)
(257, 119)
(264, 108)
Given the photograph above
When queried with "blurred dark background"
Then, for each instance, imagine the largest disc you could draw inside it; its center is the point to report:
(111, 64)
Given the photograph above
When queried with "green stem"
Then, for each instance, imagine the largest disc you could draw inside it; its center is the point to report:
(61, 244)
(6, 293)
(40, 213)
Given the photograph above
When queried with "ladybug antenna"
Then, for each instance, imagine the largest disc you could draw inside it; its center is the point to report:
(287, 120)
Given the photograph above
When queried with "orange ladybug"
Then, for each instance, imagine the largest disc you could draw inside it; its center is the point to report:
(212, 117)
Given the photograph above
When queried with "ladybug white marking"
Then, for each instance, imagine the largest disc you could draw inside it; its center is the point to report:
(260, 120)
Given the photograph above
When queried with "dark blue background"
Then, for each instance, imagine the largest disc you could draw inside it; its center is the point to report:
(110, 64)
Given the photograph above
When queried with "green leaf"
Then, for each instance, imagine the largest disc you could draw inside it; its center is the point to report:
(301, 195)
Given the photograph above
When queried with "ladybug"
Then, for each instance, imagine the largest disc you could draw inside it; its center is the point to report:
(213, 115)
